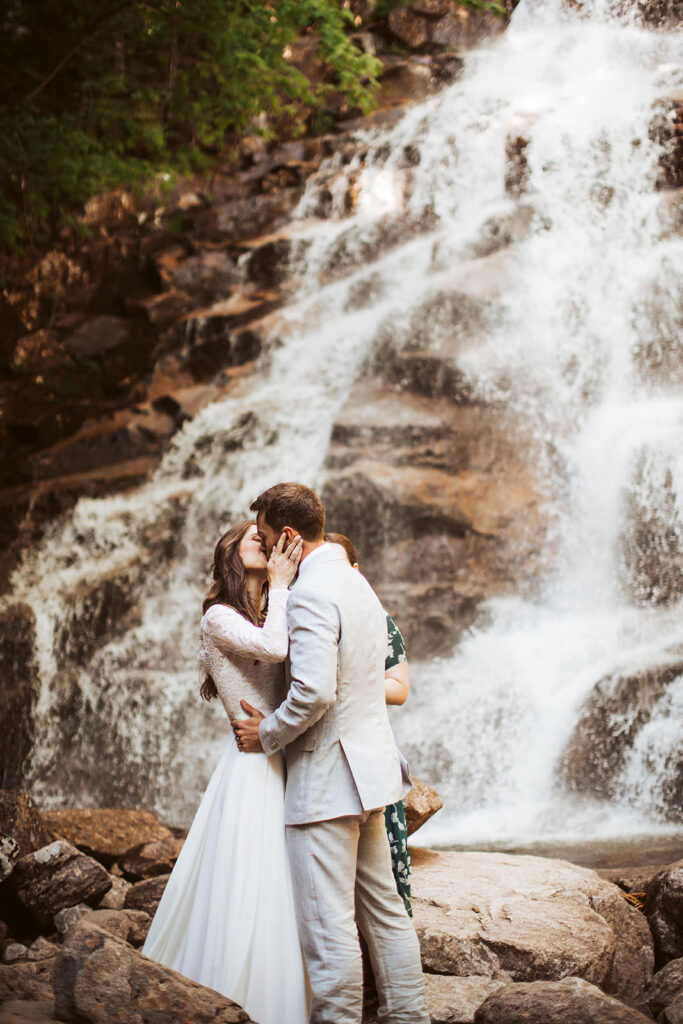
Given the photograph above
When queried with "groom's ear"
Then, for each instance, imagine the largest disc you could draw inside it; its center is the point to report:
(289, 535)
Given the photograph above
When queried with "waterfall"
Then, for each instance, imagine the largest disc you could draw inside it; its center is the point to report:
(530, 188)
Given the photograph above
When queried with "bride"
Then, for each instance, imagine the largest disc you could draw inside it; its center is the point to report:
(226, 918)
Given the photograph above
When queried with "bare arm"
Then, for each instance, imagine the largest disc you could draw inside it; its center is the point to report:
(396, 683)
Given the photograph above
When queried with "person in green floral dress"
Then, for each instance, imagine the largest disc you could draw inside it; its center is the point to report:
(396, 683)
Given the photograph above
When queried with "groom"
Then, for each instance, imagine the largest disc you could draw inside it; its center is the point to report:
(342, 769)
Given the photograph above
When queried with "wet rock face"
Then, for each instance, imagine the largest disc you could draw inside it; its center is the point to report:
(434, 494)
(652, 542)
(18, 691)
(597, 752)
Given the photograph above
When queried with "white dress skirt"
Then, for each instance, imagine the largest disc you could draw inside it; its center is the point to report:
(227, 916)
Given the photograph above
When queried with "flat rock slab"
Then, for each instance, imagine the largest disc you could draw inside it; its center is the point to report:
(99, 979)
(570, 1001)
(525, 918)
(106, 832)
(57, 876)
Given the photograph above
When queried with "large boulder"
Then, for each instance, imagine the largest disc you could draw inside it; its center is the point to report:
(55, 877)
(420, 803)
(100, 979)
(570, 1001)
(106, 833)
(664, 910)
(527, 918)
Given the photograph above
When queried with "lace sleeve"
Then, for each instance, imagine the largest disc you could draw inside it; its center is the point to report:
(233, 634)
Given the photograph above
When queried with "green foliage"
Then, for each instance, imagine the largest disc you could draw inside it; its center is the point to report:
(97, 93)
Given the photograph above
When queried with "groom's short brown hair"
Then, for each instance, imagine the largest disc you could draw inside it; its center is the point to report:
(292, 505)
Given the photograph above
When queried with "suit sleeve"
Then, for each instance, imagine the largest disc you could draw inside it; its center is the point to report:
(313, 643)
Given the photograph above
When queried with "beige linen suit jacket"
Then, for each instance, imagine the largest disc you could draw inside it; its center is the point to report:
(333, 725)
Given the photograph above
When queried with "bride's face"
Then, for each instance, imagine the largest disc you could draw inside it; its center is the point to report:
(250, 551)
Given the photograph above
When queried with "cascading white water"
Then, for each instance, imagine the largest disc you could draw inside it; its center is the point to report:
(569, 317)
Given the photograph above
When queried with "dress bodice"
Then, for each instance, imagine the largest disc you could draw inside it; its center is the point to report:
(246, 661)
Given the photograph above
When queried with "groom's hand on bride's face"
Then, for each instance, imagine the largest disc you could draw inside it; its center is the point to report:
(246, 730)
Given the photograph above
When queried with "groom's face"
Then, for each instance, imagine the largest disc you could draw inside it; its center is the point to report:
(269, 537)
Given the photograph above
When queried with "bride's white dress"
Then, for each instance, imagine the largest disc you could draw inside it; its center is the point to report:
(226, 918)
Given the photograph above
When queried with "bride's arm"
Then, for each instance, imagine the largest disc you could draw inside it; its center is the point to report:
(233, 634)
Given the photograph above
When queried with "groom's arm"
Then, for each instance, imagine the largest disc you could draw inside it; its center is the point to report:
(313, 643)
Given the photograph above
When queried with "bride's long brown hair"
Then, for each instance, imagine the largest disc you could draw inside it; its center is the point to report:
(229, 586)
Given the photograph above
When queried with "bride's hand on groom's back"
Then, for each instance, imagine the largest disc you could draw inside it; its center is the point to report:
(284, 562)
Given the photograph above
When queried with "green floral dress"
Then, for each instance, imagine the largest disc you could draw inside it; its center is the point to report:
(394, 814)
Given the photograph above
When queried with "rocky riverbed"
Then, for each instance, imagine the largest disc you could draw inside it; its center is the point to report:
(504, 938)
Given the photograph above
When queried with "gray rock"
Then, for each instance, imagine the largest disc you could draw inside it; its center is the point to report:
(9, 854)
(664, 910)
(146, 895)
(454, 1000)
(55, 877)
(65, 919)
(570, 1001)
(14, 952)
(99, 336)
(523, 918)
(420, 803)
(99, 979)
